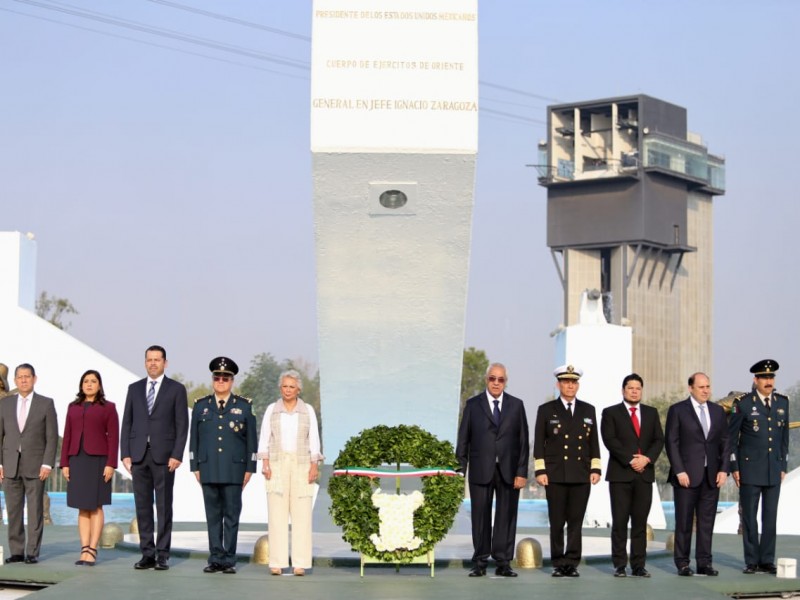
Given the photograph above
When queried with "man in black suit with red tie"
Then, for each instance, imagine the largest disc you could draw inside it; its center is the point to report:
(155, 425)
(632, 433)
(696, 442)
(493, 442)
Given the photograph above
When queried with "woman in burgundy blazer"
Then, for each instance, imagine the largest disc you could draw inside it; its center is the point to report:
(89, 458)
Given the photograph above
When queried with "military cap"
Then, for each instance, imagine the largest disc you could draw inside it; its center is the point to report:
(765, 367)
(568, 372)
(223, 364)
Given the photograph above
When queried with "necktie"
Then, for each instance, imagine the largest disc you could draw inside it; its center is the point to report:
(569, 408)
(496, 412)
(221, 405)
(635, 420)
(703, 419)
(766, 402)
(23, 413)
(151, 397)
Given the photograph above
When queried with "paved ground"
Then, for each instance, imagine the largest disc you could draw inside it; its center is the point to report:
(336, 574)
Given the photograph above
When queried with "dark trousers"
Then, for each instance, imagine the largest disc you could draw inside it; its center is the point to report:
(223, 502)
(497, 540)
(700, 502)
(566, 505)
(630, 500)
(759, 551)
(151, 479)
(20, 491)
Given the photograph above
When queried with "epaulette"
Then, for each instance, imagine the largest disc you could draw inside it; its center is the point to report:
(248, 400)
(779, 395)
(200, 400)
(736, 399)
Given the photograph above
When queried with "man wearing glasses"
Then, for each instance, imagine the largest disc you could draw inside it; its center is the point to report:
(759, 441)
(154, 429)
(222, 454)
(493, 442)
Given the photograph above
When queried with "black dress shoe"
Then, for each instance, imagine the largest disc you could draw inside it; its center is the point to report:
(640, 572)
(147, 562)
(162, 564)
(750, 569)
(504, 572)
(559, 572)
(14, 558)
(477, 572)
(229, 569)
(708, 571)
(213, 568)
(768, 568)
(685, 571)
(620, 572)
(31, 560)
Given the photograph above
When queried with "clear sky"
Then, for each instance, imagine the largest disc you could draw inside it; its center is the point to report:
(168, 183)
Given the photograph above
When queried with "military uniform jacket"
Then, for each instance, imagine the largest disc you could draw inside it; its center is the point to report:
(759, 439)
(566, 448)
(223, 444)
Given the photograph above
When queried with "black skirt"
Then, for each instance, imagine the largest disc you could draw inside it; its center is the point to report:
(86, 489)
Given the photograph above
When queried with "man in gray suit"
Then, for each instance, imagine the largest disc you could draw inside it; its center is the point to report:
(28, 441)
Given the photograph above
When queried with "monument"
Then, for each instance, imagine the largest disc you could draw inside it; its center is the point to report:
(394, 132)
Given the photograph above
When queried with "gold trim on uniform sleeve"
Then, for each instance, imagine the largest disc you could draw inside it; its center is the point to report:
(538, 464)
(596, 463)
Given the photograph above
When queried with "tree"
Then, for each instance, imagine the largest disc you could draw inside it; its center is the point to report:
(54, 309)
(194, 391)
(473, 374)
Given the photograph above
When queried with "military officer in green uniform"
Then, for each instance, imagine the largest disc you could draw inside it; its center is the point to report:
(222, 454)
(759, 441)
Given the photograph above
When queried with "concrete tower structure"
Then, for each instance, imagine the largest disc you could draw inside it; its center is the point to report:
(394, 133)
(629, 213)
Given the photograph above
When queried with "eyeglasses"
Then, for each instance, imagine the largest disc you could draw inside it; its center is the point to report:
(222, 377)
(492, 379)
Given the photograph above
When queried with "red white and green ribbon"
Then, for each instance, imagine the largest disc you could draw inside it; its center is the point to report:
(372, 472)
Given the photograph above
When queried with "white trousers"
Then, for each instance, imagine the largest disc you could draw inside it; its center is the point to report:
(291, 499)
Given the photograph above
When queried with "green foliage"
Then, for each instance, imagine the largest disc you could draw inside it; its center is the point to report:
(473, 375)
(194, 391)
(351, 497)
(53, 309)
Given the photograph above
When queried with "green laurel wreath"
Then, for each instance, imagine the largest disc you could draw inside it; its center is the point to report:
(351, 497)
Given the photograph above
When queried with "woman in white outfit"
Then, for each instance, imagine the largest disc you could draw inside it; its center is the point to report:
(290, 449)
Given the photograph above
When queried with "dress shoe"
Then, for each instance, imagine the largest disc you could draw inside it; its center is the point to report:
(708, 571)
(276, 571)
(31, 560)
(768, 568)
(162, 564)
(213, 568)
(477, 572)
(559, 572)
(504, 572)
(570, 571)
(640, 572)
(685, 571)
(15, 558)
(620, 572)
(229, 570)
(750, 569)
(299, 572)
(147, 562)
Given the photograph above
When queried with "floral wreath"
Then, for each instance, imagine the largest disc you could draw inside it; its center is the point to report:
(351, 497)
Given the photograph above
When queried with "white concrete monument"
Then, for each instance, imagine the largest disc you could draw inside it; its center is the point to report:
(394, 134)
(604, 352)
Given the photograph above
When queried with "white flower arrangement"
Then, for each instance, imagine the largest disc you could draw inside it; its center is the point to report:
(396, 512)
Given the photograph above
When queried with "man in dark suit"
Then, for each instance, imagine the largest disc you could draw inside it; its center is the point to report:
(154, 429)
(759, 440)
(222, 454)
(493, 443)
(632, 433)
(28, 442)
(566, 452)
(696, 442)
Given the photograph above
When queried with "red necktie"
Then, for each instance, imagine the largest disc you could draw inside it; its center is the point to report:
(634, 420)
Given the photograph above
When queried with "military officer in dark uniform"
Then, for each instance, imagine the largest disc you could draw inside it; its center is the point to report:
(222, 453)
(759, 442)
(566, 453)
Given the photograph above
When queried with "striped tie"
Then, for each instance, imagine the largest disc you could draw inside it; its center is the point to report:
(151, 397)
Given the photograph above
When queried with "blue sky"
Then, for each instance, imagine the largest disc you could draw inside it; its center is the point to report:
(169, 184)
